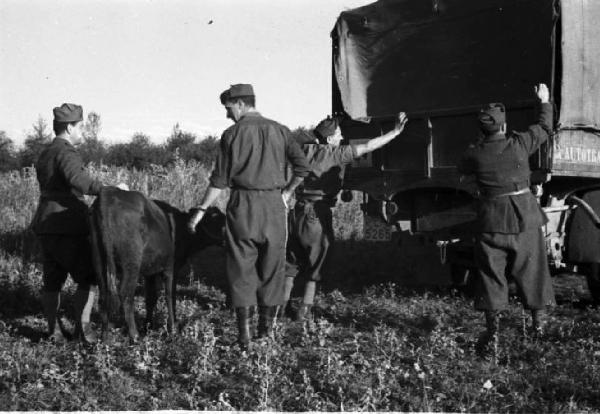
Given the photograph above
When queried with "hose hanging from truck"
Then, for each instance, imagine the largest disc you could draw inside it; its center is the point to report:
(587, 208)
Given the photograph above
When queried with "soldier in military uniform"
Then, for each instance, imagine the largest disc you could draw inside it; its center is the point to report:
(510, 238)
(61, 223)
(252, 161)
(310, 223)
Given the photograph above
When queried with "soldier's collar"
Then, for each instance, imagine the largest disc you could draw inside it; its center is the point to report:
(499, 136)
(63, 140)
(250, 114)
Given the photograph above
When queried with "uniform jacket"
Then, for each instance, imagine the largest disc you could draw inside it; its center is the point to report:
(254, 154)
(500, 164)
(327, 164)
(63, 182)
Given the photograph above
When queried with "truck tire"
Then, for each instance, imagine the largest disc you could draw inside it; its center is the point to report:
(592, 274)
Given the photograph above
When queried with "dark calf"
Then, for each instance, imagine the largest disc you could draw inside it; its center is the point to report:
(133, 236)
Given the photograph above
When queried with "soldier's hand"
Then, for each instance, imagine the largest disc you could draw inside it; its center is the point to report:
(123, 186)
(194, 221)
(401, 122)
(287, 198)
(542, 93)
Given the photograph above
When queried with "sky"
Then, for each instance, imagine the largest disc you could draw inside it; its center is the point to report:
(146, 65)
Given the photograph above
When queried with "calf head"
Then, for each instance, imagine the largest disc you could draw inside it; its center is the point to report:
(211, 229)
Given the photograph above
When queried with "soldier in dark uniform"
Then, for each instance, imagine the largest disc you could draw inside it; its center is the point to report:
(510, 238)
(252, 161)
(61, 223)
(310, 223)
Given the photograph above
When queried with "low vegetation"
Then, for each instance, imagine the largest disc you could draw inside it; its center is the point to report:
(375, 343)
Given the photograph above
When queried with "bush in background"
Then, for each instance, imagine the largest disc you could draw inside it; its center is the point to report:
(8, 156)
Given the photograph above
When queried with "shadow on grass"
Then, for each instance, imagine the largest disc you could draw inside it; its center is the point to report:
(352, 266)
(207, 267)
(18, 299)
(23, 244)
(418, 326)
(33, 334)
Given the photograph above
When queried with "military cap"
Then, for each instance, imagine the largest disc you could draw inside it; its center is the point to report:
(326, 128)
(241, 89)
(492, 117)
(68, 112)
(236, 91)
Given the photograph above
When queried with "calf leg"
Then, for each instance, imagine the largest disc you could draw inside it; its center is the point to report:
(170, 299)
(128, 311)
(152, 288)
(51, 304)
(127, 295)
(105, 322)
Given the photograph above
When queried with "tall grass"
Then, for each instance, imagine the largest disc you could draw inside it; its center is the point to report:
(182, 185)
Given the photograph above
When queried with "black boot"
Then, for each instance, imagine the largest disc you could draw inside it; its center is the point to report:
(487, 345)
(244, 321)
(286, 310)
(266, 320)
(304, 313)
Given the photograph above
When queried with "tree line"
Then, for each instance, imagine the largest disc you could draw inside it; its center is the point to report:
(138, 153)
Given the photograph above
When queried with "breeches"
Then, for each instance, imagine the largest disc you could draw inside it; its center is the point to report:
(66, 254)
(310, 237)
(522, 256)
(255, 251)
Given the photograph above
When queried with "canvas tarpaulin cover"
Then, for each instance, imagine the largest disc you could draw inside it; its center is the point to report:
(580, 90)
(576, 147)
(441, 55)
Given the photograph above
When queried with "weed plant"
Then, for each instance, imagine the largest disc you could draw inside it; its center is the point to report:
(381, 346)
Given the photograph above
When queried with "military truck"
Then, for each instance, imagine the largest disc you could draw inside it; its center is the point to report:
(440, 61)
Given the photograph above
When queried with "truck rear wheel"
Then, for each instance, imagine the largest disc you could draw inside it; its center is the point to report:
(592, 274)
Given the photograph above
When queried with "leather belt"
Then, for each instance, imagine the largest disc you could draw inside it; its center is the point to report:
(512, 193)
(255, 189)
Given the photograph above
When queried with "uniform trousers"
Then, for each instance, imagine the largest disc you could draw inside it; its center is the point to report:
(310, 238)
(255, 247)
(522, 256)
(66, 254)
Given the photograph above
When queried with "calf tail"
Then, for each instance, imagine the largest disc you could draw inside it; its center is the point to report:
(104, 265)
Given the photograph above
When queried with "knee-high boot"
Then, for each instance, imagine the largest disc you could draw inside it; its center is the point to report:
(287, 292)
(304, 311)
(244, 320)
(266, 320)
(51, 304)
(488, 341)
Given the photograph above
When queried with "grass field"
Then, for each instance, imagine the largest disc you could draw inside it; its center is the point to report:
(375, 344)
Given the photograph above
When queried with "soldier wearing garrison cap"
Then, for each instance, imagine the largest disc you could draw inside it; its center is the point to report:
(510, 238)
(61, 223)
(310, 223)
(252, 162)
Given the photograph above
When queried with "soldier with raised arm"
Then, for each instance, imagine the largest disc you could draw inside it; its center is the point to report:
(310, 223)
(510, 240)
